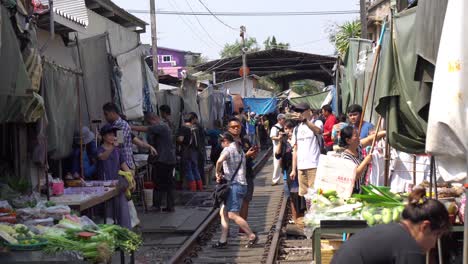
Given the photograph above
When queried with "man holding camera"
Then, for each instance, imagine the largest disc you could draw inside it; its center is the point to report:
(276, 137)
(306, 146)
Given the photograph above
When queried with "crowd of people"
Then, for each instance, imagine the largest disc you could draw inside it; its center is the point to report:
(298, 138)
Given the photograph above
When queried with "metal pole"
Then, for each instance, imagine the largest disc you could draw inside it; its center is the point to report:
(465, 232)
(154, 41)
(363, 13)
(244, 62)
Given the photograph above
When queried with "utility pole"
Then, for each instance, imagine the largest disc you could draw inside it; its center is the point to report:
(363, 18)
(244, 62)
(154, 42)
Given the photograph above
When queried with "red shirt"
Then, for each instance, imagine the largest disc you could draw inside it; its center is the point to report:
(327, 128)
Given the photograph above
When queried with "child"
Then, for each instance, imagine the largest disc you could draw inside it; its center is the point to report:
(109, 164)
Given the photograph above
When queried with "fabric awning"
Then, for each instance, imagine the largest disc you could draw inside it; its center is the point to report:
(314, 100)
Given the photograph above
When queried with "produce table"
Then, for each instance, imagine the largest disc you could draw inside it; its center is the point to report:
(82, 202)
(39, 257)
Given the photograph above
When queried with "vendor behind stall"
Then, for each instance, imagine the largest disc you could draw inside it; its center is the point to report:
(349, 140)
(72, 165)
(424, 221)
(110, 162)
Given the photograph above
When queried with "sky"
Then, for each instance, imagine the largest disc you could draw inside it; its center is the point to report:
(304, 33)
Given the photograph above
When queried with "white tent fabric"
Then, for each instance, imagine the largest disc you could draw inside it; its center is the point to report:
(189, 92)
(163, 86)
(132, 83)
(448, 114)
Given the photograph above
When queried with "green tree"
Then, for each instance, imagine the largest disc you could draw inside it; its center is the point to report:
(339, 35)
(306, 87)
(271, 43)
(235, 49)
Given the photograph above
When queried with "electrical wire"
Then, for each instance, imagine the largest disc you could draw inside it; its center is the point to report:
(204, 29)
(217, 18)
(218, 14)
(195, 32)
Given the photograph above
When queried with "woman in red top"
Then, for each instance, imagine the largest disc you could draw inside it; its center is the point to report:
(330, 121)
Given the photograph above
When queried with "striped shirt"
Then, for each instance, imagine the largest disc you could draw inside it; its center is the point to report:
(235, 155)
(126, 150)
(356, 160)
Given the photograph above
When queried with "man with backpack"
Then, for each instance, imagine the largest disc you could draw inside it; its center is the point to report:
(187, 138)
(307, 150)
(276, 137)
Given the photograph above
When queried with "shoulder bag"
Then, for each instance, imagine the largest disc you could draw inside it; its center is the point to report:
(221, 191)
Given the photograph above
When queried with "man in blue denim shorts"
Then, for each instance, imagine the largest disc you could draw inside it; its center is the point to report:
(232, 163)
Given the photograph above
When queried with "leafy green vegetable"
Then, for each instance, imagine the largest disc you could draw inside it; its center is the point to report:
(124, 239)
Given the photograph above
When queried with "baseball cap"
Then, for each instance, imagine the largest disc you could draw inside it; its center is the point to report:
(106, 129)
(281, 116)
(301, 107)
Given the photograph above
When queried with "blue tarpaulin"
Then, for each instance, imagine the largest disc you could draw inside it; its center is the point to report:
(260, 106)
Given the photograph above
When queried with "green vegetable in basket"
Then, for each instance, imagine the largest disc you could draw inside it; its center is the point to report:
(378, 218)
(329, 194)
(386, 216)
(395, 214)
(368, 217)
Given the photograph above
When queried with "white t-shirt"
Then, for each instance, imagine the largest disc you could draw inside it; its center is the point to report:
(308, 149)
(274, 133)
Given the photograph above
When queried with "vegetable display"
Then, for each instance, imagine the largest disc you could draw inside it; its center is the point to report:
(376, 205)
(80, 235)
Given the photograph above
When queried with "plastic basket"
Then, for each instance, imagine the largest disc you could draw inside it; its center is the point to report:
(20, 247)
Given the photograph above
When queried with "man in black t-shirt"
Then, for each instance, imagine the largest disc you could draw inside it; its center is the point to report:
(162, 164)
(188, 138)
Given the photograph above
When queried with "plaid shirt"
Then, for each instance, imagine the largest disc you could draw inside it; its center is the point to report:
(126, 151)
(234, 157)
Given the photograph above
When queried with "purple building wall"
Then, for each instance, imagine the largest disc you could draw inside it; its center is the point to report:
(177, 56)
(177, 60)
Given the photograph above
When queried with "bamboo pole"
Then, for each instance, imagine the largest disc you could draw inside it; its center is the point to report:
(374, 67)
(375, 136)
(80, 125)
(414, 170)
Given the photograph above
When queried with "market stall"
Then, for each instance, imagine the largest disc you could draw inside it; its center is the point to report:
(332, 212)
(33, 229)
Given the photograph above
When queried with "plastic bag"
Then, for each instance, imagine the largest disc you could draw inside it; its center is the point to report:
(30, 213)
(57, 212)
(5, 207)
(361, 65)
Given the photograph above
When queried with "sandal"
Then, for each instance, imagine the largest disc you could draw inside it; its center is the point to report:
(252, 242)
(219, 245)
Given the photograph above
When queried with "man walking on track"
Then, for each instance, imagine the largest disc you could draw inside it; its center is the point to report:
(276, 137)
(234, 128)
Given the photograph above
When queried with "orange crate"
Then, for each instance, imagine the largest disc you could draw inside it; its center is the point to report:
(328, 249)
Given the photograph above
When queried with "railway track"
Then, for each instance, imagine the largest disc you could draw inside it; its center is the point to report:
(266, 216)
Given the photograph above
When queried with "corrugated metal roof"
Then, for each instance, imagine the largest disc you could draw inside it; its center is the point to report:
(74, 10)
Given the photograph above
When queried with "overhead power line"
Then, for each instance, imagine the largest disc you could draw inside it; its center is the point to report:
(244, 14)
(204, 29)
(214, 15)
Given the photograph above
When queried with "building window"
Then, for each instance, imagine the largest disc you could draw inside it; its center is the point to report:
(166, 58)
